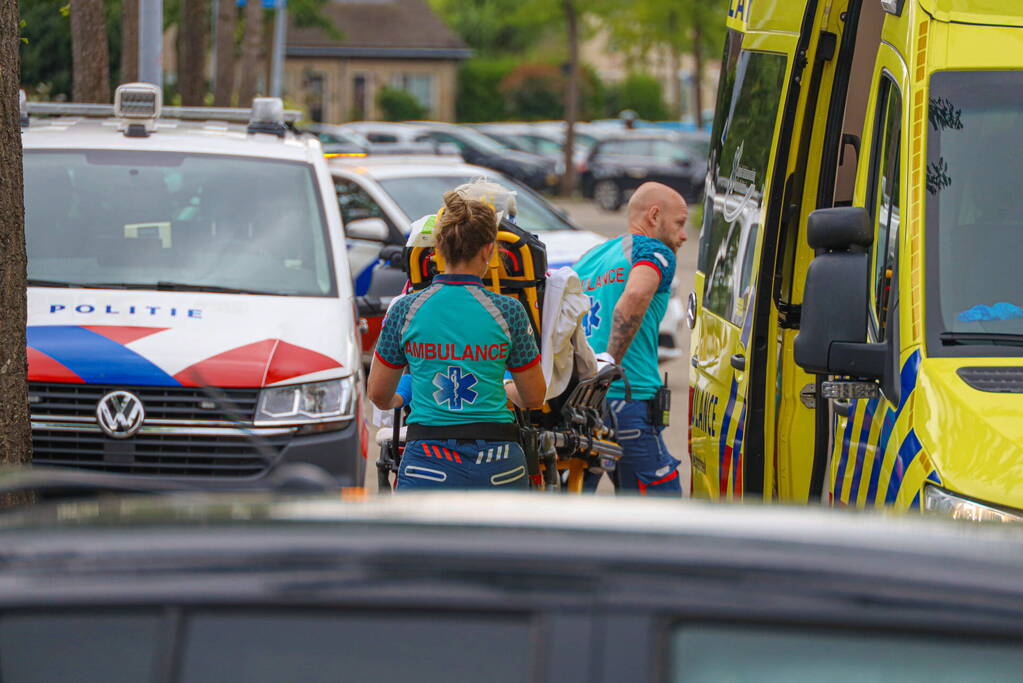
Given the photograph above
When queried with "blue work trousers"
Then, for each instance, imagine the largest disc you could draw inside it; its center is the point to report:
(646, 467)
(460, 464)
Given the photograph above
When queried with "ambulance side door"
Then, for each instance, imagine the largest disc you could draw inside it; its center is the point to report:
(755, 72)
(863, 430)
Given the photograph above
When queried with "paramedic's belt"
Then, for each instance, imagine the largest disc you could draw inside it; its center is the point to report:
(476, 431)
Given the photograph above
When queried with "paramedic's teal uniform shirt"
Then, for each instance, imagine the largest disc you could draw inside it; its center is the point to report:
(604, 271)
(458, 339)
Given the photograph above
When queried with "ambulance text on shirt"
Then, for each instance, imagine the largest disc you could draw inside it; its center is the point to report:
(604, 271)
(458, 339)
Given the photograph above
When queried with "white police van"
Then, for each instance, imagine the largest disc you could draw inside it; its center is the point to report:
(190, 307)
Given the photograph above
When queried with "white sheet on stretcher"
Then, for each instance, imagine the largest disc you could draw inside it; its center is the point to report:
(563, 342)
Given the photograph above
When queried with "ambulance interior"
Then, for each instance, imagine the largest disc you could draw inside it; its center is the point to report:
(868, 40)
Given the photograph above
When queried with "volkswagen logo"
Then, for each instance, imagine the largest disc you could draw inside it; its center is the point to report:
(120, 414)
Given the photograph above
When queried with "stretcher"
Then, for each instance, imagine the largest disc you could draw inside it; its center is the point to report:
(570, 435)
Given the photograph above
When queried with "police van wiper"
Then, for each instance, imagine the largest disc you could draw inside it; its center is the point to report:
(164, 285)
(188, 287)
(967, 338)
(35, 282)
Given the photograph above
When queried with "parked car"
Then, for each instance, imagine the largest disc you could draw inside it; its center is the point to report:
(618, 165)
(342, 141)
(175, 270)
(533, 170)
(459, 588)
(541, 141)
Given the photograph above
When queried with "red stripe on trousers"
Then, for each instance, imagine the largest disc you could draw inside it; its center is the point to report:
(666, 478)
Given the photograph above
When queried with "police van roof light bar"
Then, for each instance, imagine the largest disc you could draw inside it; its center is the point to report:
(137, 107)
(267, 116)
(225, 114)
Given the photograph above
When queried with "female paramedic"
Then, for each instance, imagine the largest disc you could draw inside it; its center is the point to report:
(457, 339)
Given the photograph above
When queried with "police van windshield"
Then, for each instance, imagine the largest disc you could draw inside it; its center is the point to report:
(422, 195)
(175, 221)
(975, 213)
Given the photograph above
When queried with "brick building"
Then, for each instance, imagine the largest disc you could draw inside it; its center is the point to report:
(397, 43)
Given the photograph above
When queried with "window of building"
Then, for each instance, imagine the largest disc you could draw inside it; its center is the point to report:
(419, 86)
(360, 87)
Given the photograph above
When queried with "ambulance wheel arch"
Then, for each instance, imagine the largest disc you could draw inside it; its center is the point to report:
(756, 71)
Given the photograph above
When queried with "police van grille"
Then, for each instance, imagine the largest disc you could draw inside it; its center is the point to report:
(161, 403)
(175, 455)
(996, 380)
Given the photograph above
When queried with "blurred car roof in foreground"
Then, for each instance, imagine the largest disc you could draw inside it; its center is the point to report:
(527, 588)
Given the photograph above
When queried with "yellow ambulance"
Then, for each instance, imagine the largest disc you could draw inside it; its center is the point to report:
(858, 307)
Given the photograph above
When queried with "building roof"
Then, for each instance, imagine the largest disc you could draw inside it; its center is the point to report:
(383, 29)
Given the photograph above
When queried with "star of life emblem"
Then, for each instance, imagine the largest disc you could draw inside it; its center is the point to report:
(591, 320)
(454, 388)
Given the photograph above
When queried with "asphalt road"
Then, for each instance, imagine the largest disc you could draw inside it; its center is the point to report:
(587, 216)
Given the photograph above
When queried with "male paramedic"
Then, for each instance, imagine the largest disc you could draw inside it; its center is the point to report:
(628, 280)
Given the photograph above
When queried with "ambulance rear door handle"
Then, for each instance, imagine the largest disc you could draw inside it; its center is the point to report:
(739, 362)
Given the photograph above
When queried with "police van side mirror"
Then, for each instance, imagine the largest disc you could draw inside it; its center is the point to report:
(372, 229)
(832, 338)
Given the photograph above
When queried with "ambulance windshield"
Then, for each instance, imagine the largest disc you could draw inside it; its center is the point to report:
(175, 221)
(974, 235)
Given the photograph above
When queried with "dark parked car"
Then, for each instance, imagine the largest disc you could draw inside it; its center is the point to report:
(453, 588)
(618, 165)
(476, 148)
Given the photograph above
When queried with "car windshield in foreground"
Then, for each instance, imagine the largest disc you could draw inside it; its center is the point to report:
(974, 232)
(174, 221)
(422, 195)
(725, 653)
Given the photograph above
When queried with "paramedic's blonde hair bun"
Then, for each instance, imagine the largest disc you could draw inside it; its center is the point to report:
(466, 227)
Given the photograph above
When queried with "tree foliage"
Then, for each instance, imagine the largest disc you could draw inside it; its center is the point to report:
(640, 26)
(399, 105)
(641, 93)
(495, 28)
(46, 50)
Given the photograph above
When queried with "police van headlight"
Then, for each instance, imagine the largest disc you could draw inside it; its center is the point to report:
(942, 502)
(332, 401)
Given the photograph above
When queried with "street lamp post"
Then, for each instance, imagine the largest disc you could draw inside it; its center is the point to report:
(280, 36)
(151, 41)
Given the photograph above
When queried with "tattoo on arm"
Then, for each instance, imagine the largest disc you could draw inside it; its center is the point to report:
(624, 326)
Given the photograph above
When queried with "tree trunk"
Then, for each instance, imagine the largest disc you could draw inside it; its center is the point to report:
(89, 57)
(227, 17)
(571, 97)
(15, 437)
(192, 52)
(252, 48)
(129, 41)
(676, 81)
(698, 70)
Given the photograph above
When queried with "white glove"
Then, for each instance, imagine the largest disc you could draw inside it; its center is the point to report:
(605, 359)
